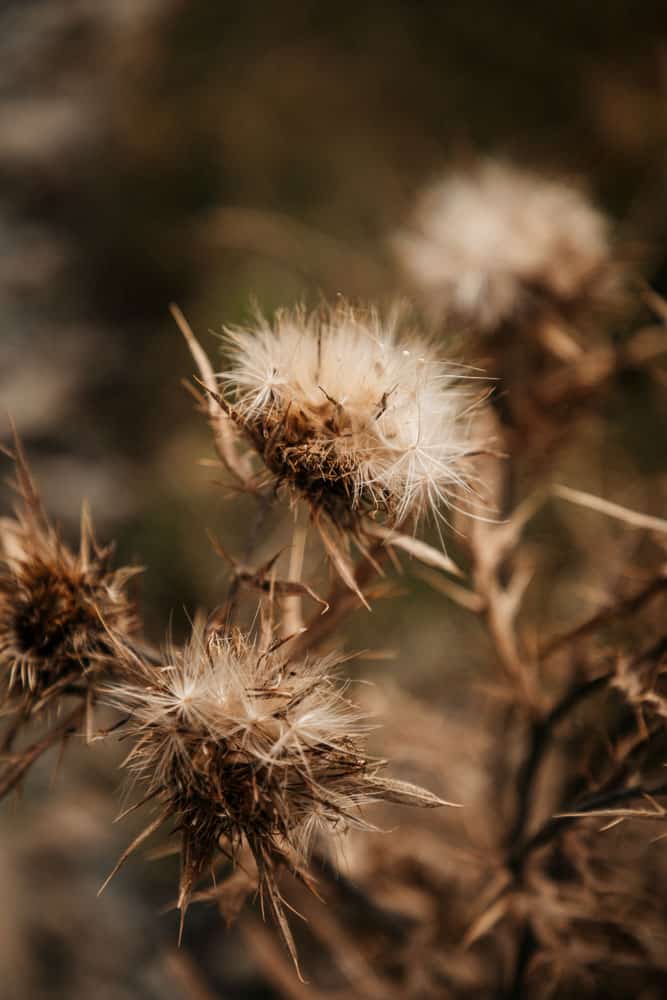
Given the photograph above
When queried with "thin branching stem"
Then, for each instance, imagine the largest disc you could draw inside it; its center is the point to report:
(542, 732)
(621, 609)
(556, 824)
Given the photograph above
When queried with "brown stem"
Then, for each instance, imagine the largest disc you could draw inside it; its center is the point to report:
(622, 609)
(341, 601)
(13, 772)
(540, 742)
(556, 824)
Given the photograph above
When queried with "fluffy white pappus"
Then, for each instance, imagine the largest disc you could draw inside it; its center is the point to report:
(244, 749)
(487, 243)
(351, 413)
(224, 692)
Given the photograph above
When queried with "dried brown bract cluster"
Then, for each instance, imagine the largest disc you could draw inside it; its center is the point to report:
(499, 244)
(60, 611)
(246, 750)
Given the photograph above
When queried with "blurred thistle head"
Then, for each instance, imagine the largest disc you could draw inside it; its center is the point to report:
(498, 243)
(351, 414)
(245, 749)
(60, 611)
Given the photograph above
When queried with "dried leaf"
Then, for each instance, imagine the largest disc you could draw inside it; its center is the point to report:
(406, 794)
(340, 562)
(422, 551)
(223, 426)
(260, 579)
(136, 843)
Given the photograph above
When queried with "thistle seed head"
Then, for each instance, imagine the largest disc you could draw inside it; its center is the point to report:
(350, 414)
(487, 245)
(58, 608)
(245, 748)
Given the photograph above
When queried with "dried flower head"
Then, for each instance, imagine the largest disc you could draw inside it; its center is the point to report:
(351, 415)
(59, 610)
(496, 242)
(245, 749)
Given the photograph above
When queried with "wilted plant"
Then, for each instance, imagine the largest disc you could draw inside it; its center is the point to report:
(245, 741)
(61, 614)
(369, 426)
(246, 748)
(251, 746)
(351, 415)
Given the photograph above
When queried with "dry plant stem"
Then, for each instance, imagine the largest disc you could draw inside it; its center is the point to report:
(392, 922)
(264, 502)
(292, 622)
(275, 966)
(506, 646)
(354, 964)
(595, 803)
(621, 609)
(527, 943)
(527, 946)
(540, 742)
(224, 433)
(342, 601)
(500, 580)
(181, 967)
(13, 730)
(615, 510)
(519, 849)
(13, 772)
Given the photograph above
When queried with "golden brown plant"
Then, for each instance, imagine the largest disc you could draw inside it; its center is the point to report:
(61, 613)
(247, 749)
(367, 425)
(351, 414)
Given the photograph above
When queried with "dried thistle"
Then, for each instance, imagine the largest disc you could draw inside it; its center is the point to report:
(500, 244)
(247, 750)
(351, 415)
(60, 611)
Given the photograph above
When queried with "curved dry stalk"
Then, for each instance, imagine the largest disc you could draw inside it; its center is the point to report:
(632, 517)
(224, 432)
(11, 775)
(342, 600)
(589, 806)
(540, 743)
(623, 608)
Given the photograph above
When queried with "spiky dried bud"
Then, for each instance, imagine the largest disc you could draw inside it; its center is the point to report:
(350, 414)
(59, 610)
(497, 243)
(243, 746)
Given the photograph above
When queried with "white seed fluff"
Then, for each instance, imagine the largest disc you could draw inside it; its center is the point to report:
(486, 243)
(350, 413)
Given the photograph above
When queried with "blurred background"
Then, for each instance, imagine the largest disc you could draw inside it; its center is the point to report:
(213, 155)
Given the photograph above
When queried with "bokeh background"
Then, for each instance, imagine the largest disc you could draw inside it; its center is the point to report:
(216, 154)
